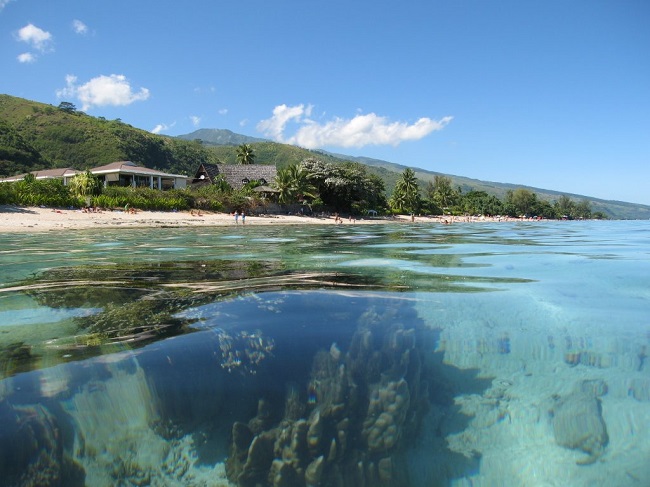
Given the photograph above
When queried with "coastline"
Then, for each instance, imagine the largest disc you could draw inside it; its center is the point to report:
(17, 219)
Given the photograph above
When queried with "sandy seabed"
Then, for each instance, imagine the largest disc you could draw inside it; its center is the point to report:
(36, 219)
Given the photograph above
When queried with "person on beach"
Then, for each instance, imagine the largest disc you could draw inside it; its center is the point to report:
(236, 217)
(243, 218)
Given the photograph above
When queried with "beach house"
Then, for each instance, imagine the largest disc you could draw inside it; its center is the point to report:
(121, 173)
(236, 176)
(127, 173)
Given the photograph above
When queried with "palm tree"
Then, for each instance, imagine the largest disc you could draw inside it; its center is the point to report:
(406, 195)
(293, 184)
(245, 154)
(284, 184)
(443, 194)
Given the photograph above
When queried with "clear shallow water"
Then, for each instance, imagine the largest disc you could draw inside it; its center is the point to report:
(487, 354)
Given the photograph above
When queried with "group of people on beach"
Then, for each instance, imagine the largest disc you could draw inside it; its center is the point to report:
(91, 209)
(243, 217)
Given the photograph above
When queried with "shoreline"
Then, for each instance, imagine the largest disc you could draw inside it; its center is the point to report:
(18, 219)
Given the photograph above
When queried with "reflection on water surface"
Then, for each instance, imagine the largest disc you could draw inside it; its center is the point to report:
(509, 354)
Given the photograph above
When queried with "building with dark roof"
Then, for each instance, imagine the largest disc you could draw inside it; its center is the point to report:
(236, 176)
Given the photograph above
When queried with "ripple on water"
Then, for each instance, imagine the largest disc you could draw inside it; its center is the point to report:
(109, 244)
(273, 240)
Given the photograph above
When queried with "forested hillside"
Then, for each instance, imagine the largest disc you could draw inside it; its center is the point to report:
(36, 136)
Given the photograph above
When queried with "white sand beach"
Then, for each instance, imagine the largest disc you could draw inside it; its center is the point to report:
(36, 219)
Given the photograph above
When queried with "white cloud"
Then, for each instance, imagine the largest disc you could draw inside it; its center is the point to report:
(161, 127)
(79, 27)
(195, 120)
(114, 90)
(243, 123)
(35, 37)
(360, 131)
(26, 57)
(223, 111)
(3, 3)
(282, 114)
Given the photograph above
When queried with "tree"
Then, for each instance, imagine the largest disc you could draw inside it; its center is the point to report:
(565, 207)
(583, 209)
(443, 194)
(245, 154)
(480, 203)
(406, 195)
(293, 185)
(520, 202)
(67, 107)
(85, 185)
(345, 187)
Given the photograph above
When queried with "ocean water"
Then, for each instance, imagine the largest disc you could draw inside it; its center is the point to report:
(486, 354)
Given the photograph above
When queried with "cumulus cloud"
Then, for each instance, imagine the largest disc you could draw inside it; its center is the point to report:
(282, 114)
(195, 120)
(360, 131)
(37, 38)
(161, 127)
(223, 111)
(114, 90)
(26, 57)
(79, 27)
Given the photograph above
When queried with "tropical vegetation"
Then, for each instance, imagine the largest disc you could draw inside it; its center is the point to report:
(37, 136)
(406, 195)
(245, 154)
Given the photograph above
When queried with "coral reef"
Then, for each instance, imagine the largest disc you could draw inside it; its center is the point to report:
(352, 422)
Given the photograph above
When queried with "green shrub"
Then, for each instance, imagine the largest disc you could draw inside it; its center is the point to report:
(143, 199)
(7, 194)
(43, 192)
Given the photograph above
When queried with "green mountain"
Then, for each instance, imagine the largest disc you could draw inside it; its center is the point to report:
(38, 136)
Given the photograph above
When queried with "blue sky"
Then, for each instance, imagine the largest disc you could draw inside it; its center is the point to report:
(552, 94)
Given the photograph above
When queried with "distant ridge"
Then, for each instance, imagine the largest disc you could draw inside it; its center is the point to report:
(283, 155)
(220, 137)
(611, 208)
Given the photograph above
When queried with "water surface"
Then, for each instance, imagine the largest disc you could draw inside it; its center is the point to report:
(402, 355)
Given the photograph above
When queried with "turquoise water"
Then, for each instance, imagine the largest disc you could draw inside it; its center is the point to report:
(393, 355)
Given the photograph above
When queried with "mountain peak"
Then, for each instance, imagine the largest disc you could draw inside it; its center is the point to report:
(220, 137)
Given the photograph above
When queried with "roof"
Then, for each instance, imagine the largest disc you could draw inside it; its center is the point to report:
(55, 173)
(60, 172)
(236, 174)
(131, 168)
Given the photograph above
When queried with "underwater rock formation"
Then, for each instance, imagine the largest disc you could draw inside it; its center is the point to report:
(352, 422)
(31, 450)
(578, 422)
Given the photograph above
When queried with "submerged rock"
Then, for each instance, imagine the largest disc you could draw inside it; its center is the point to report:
(31, 450)
(578, 422)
